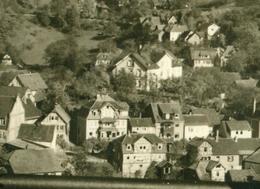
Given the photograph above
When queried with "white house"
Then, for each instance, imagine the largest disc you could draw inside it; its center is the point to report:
(176, 31)
(59, 118)
(134, 153)
(7, 61)
(172, 20)
(203, 57)
(238, 129)
(107, 118)
(196, 126)
(212, 30)
(167, 67)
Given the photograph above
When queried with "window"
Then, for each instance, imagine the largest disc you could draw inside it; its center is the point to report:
(230, 158)
(61, 127)
(241, 132)
(113, 134)
(159, 146)
(127, 157)
(90, 134)
(141, 165)
(56, 118)
(176, 136)
(130, 63)
(177, 125)
(57, 127)
(217, 174)
(176, 116)
(118, 133)
(128, 147)
(144, 147)
(107, 107)
(94, 113)
(217, 157)
(237, 132)
(141, 147)
(2, 121)
(205, 149)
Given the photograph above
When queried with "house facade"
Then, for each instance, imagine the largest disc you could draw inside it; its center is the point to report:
(167, 118)
(136, 152)
(142, 125)
(107, 119)
(176, 32)
(203, 57)
(212, 30)
(194, 38)
(60, 119)
(196, 126)
(135, 64)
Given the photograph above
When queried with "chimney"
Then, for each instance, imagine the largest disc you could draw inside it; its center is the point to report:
(254, 106)
(217, 135)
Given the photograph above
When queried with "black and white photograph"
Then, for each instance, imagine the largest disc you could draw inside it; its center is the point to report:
(130, 94)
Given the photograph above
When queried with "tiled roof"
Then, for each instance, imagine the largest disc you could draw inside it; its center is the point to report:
(172, 107)
(196, 120)
(179, 28)
(246, 83)
(34, 161)
(213, 116)
(62, 113)
(241, 175)
(238, 125)
(141, 122)
(6, 105)
(21, 144)
(37, 133)
(31, 112)
(104, 99)
(12, 91)
(255, 157)
(153, 139)
(32, 81)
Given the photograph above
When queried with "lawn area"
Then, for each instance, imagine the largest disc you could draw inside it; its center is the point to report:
(86, 39)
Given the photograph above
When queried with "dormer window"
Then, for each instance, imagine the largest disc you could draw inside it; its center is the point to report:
(129, 147)
(94, 113)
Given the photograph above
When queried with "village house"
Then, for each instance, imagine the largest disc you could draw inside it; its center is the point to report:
(194, 38)
(142, 126)
(212, 149)
(133, 153)
(32, 162)
(176, 31)
(167, 118)
(164, 169)
(59, 118)
(208, 170)
(244, 175)
(7, 60)
(196, 126)
(103, 59)
(13, 112)
(147, 73)
(32, 81)
(202, 57)
(212, 30)
(238, 129)
(132, 63)
(172, 20)
(107, 118)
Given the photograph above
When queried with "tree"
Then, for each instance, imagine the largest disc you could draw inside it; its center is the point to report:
(237, 62)
(151, 172)
(72, 18)
(42, 15)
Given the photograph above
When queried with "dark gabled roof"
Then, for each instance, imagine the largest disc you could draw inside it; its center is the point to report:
(32, 81)
(203, 53)
(241, 175)
(12, 91)
(246, 83)
(34, 161)
(213, 116)
(6, 105)
(255, 157)
(238, 125)
(31, 112)
(153, 139)
(217, 146)
(37, 133)
(164, 163)
(141, 122)
(248, 145)
(104, 99)
(211, 165)
(62, 113)
(196, 120)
